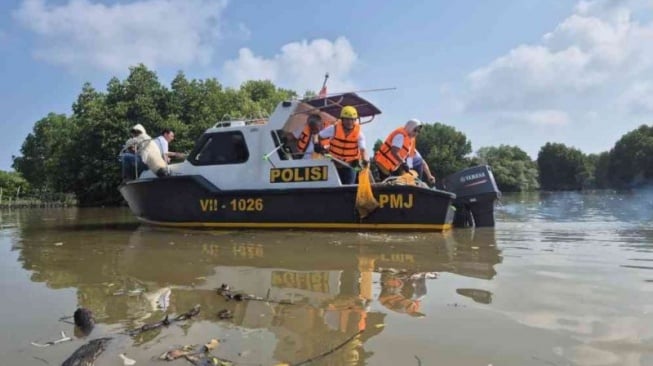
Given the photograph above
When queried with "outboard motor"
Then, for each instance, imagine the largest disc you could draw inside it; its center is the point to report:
(476, 191)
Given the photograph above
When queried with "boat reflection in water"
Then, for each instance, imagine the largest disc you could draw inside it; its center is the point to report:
(340, 284)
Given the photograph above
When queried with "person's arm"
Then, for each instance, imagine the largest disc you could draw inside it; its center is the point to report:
(176, 155)
(429, 176)
(328, 132)
(397, 145)
(362, 148)
(395, 152)
(426, 168)
(130, 146)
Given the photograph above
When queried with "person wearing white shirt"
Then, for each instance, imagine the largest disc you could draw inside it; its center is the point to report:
(163, 142)
(396, 155)
(132, 164)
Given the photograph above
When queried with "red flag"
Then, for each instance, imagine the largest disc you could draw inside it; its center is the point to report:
(323, 92)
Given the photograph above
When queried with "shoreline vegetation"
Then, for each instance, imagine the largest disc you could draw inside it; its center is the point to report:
(30, 203)
(76, 156)
(13, 200)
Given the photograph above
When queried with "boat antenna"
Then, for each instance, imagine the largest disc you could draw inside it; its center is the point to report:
(364, 91)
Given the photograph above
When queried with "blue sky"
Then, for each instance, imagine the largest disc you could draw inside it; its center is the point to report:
(502, 72)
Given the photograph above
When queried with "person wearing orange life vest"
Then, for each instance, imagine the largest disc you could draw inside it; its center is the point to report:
(402, 295)
(346, 143)
(307, 138)
(396, 154)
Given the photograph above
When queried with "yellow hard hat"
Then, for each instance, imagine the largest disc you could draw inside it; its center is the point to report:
(349, 112)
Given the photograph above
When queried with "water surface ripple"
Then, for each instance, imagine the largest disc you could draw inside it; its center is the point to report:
(563, 279)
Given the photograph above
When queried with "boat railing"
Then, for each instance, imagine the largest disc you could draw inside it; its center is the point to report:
(228, 121)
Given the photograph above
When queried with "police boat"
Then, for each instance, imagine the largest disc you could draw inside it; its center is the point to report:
(245, 174)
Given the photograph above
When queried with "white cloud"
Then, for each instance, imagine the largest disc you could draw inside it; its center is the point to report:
(638, 98)
(594, 54)
(547, 117)
(82, 33)
(299, 65)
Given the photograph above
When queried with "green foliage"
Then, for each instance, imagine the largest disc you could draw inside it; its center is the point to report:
(443, 148)
(265, 95)
(377, 146)
(601, 165)
(564, 168)
(629, 163)
(13, 183)
(79, 154)
(631, 159)
(43, 153)
(513, 169)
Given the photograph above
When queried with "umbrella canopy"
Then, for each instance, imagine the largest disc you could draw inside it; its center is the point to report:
(334, 103)
(329, 109)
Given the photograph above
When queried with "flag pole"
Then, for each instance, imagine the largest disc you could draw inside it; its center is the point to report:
(323, 91)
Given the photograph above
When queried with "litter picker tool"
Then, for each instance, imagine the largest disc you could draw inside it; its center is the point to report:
(266, 157)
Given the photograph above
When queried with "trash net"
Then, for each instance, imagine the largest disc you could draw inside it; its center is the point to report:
(365, 201)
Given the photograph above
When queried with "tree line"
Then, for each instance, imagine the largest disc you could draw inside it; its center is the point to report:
(628, 164)
(78, 153)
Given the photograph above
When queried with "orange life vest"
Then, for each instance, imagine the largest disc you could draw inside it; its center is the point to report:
(399, 303)
(384, 157)
(413, 148)
(304, 138)
(345, 147)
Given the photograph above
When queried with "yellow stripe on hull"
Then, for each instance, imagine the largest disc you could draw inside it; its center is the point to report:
(301, 225)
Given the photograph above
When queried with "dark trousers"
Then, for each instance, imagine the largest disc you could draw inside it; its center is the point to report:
(383, 176)
(347, 175)
(129, 163)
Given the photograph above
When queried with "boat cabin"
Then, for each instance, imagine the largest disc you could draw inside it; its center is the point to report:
(257, 153)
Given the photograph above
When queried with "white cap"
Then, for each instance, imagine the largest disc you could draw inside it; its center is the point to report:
(138, 127)
(412, 124)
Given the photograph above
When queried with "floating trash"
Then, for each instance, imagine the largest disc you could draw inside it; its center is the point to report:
(127, 361)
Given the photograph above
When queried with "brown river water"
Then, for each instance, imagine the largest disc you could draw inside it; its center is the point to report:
(563, 279)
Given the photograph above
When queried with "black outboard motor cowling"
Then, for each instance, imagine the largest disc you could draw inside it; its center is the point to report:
(476, 191)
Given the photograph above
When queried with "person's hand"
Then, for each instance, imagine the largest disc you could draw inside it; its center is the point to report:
(356, 164)
(431, 179)
(365, 164)
(318, 148)
(405, 167)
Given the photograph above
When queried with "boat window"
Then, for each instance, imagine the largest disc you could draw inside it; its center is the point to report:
(221, 148)
(285, 152)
